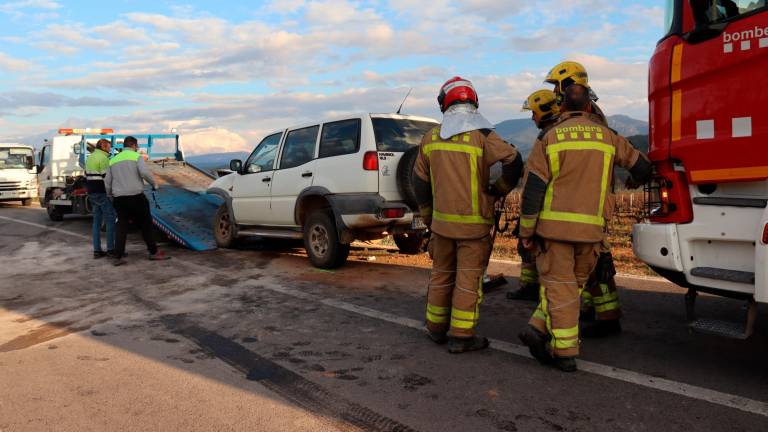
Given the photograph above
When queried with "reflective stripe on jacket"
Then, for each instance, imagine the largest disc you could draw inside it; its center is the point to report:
(126, 174)
(458, 169)
(575, 159)
(96, 167)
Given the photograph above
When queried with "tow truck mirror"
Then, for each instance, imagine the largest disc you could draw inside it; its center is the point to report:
(76, 149)
(38, 169)
(235, 165)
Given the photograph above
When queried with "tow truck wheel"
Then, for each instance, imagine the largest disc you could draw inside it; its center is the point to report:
(321, 240)
(409, 243)
(26, 202)
(54, 213)
(224, 230)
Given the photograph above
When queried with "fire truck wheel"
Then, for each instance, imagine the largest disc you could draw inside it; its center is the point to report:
(54, 213)
(321, 240)
(224, 230)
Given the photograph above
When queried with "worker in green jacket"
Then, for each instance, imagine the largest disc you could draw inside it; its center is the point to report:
(96, 167)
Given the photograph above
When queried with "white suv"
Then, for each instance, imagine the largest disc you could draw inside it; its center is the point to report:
(329, 183)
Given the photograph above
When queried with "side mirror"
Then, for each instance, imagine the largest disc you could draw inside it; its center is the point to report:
(38, 169)
(235, 165)
(76, 149)
(30, 162)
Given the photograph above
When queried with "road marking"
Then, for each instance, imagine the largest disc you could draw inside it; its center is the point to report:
(632, 377)
(46, 227)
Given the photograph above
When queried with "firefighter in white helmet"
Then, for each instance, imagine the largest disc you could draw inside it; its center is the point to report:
(457, 202)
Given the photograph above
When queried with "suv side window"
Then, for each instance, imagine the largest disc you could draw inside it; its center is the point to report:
(263, 157)
(340, 138)
(299, 147)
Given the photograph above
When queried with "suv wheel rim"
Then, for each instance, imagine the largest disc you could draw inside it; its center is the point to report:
(224, 225)
(318, 240)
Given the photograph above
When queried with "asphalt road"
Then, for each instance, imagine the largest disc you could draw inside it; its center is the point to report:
(257, 339)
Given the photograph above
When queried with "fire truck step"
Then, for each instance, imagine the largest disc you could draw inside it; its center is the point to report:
(724, 275)
(728, 329)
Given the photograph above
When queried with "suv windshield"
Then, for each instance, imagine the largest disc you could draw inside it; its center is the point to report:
(398, 135)
(16, 158)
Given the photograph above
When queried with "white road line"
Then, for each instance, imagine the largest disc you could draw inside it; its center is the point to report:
(46, 227)
(632, 377)
(665, 385)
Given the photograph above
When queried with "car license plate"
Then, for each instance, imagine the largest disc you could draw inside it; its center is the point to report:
(418, 223)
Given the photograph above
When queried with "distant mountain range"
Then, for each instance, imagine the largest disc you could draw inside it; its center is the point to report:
(519, 132)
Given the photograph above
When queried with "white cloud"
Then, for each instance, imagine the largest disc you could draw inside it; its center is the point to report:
(213, 140)
(13, 64)
(14, 6)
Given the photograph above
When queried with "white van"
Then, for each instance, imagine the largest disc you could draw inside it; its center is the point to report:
(18, 174)
(327, 183)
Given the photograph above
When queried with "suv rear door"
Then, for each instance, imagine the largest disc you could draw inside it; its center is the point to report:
(395, 134)
(294, 174)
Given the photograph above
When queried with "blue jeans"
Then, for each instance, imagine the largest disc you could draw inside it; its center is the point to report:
(102, 210)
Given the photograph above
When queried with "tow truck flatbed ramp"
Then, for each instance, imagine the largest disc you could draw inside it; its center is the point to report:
(180, 208)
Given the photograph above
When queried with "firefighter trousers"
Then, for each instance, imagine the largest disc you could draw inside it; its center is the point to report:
(528, 273)
(600, 293)
(456, 284)
(564, 269)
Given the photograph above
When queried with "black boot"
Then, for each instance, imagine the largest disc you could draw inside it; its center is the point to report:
(565, 364)
(529, 291)
(461, 345)
(99, 254)
(438, 338)
(601, 329)
(587, 315)
(537, 344)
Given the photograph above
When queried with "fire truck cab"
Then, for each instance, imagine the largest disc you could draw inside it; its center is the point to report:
(707, 224)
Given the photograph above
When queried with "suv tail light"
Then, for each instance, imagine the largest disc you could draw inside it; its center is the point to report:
(765, 234)
(371, 161)
(393, 213)
(667, 199)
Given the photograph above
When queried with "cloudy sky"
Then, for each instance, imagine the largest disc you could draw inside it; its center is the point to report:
(226, 72)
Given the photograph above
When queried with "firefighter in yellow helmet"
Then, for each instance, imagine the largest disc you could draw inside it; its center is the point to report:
(566, 200)
(457, 203)
(600, 298)
(545, 111)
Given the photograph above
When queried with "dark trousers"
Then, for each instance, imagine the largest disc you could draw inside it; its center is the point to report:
(133, 208)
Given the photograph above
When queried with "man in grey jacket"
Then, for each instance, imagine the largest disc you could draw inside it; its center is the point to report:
(125, 182)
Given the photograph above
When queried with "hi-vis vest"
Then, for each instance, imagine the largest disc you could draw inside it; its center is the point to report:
(125, 155)
(458, 170)
(95, 169)
(576, 158)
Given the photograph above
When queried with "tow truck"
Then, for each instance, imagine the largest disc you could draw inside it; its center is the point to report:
(18, 180)
(180, 208)
(707, 213)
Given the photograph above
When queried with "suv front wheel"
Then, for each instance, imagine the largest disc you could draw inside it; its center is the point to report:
(224, 231)
(321, 240)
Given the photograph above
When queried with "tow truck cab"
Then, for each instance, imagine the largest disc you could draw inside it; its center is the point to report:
(706, 226)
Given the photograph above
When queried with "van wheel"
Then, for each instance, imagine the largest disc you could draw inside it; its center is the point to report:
(26, 202)
(54, 213)
(405, 177)
(321, 240)
(409, 243)
(224, 230)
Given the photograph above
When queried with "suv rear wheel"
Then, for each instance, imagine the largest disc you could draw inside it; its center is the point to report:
(321, 240)
(224, 231)
(409, 243)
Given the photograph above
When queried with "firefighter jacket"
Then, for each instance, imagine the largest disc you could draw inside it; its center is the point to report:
(126, 174)
(452, 181)
(96, 167)
(568, 194)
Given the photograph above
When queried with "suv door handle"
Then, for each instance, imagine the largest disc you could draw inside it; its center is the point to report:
(306, 174)
(266, 179)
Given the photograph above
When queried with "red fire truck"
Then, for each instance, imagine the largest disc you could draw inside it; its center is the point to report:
(707, 226)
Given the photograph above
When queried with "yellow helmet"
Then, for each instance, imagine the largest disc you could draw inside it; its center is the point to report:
(543, 103)
(567, 72)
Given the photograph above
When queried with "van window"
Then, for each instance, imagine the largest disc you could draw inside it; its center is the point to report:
(398, 135)
(299, 147)
(263, 157)
(340, 138)
(716, 11)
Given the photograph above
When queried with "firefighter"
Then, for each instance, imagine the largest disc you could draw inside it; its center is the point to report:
(600, 299)
(96, 167)
(565, 202)
(544, 111)
(457, 203)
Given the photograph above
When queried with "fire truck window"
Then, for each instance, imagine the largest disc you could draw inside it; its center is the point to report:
(716, 11)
